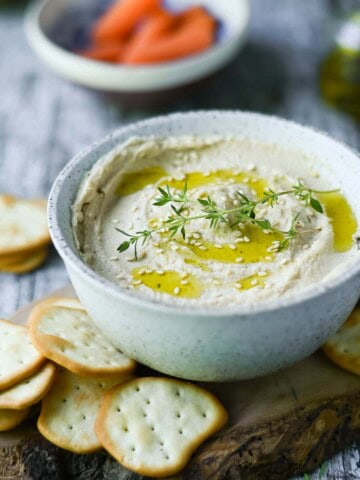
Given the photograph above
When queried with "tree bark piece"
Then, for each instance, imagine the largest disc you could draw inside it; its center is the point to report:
(280, 425)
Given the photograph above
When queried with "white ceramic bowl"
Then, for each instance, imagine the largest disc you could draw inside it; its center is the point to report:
(43, 17)
(204, 344)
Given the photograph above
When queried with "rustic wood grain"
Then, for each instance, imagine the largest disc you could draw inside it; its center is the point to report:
(44, 120)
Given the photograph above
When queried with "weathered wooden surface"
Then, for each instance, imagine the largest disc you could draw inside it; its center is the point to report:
(44, 120)
(278, 425)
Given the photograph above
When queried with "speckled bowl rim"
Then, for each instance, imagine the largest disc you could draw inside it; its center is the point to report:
(65, 251)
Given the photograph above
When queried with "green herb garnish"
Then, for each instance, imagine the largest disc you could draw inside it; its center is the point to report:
(244, 213)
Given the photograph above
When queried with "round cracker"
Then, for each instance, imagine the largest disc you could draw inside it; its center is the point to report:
(54, 302)
(27, 265)
(18, 357)
(69, 411)
(343, 348)
(69, 338)
(28, 391)
(10, 419)
(23, 225)
(152, 426)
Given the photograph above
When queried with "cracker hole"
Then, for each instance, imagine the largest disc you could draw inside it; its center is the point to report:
(84, 417)
(177, 393)
(178, 415)
(162, 444)
(152, 428)
(64, 400)
(125, 429)
(180, 432)
(133, 449)
(70, 427)
(137, 389)
(148, 401)
(118, 409)
(101, 385)
(77, 387)
(204, 415)
(167, 457)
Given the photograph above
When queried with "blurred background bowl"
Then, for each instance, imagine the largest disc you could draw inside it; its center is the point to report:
(55, 29)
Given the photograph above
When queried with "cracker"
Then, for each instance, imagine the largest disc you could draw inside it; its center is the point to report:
(23, 225)
(343, 348)
(25, 265)
(10, 419)
(54, 302)
(152, 426)
(18, 357)
(28, 391)
(69, 411)
(69, 338)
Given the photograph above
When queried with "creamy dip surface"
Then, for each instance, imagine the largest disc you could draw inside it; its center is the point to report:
(221, 266)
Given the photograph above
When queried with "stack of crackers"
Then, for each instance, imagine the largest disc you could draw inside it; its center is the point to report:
(24, 235)
(91, 398)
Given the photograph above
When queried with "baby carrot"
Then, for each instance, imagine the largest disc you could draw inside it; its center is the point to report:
(106, 52)
(194, 35)
(121, 18)
(155, 27)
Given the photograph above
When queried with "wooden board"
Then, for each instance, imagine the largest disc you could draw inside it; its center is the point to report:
(284, 424)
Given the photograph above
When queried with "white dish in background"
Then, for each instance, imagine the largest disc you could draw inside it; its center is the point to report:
(44, 15)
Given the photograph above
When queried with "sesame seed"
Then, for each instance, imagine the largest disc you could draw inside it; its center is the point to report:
(204, 249)
(115, 220)
(246, 180)
(254, 282)
(262, 274)
(149, 271)
(253, 191)
(192, 242)
(217, 245)
(246, 239)
(177, 291)
(142, 271)
(237, 285)
(305, 246)
(184, 275)
(235, 202)
(159, 251)
(198, 244)
(134, 208)
(184, 282)
(114, 259)
(216, 282)
(284, 261)
(186, 240)
(207, 174)
(268, 258)
(137, 282)
(251, 167)
(160, 272)
(196, 235)
(239, 259)
(174, 247)
(239, 240)
(232, 246)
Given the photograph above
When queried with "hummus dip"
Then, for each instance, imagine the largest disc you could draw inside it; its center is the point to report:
(219, 266)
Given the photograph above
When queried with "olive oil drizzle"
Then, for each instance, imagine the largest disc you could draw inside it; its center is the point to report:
(258, 247)
(342, 218)
(168, 281)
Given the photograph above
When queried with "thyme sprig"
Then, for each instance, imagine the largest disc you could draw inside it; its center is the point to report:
(243, 213)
